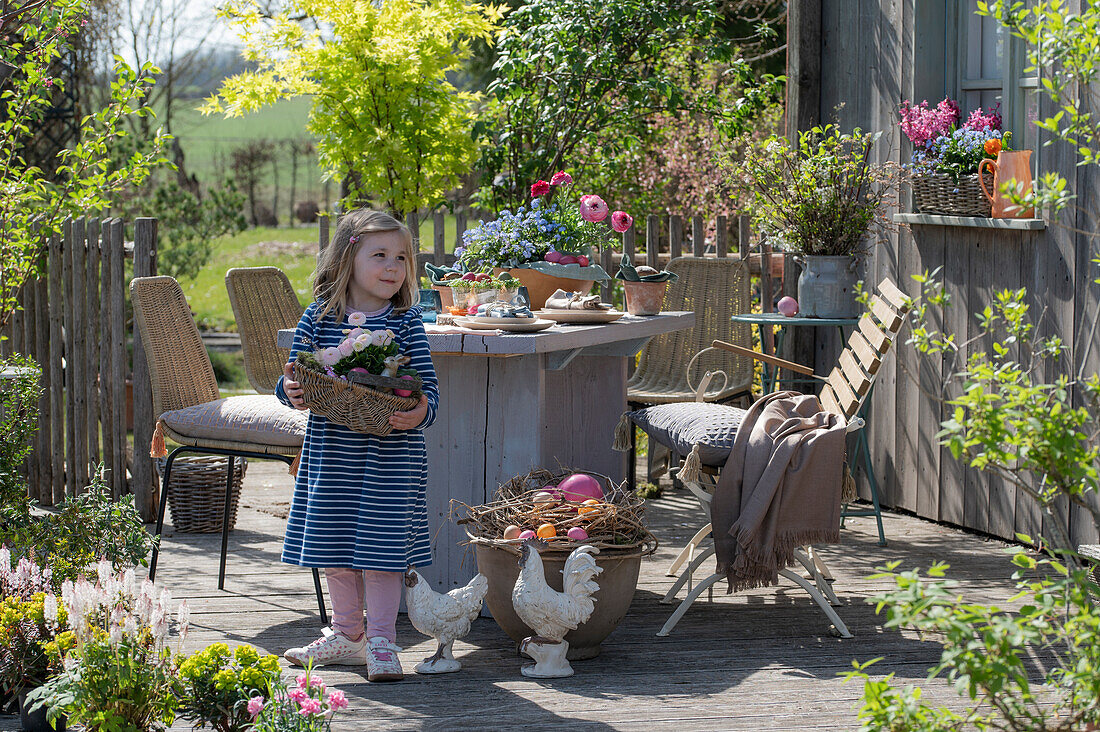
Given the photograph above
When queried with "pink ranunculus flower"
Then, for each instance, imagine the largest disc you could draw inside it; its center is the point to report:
(561, 178)
(337, 700)
(357, 319)
(255, 705)
(539, 188)
(328, 356)
(621, 221)
(310, 706)
(345, 348)
(593, 208)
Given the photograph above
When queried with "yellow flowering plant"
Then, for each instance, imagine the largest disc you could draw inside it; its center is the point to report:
(219, 683)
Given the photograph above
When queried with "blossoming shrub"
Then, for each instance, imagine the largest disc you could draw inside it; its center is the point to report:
(117, 668)
(218, 685)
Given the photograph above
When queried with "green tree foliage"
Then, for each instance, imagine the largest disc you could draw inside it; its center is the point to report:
(188, 225)
(577, 75)
(387, 120)
(36, 202)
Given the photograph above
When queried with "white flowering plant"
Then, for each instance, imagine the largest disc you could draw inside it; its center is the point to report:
(363, 351)
(117, 670)
(30, 619)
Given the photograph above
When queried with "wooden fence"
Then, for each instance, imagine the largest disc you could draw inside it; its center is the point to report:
(73, 322)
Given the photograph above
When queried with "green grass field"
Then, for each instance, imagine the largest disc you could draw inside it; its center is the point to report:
(293, 250)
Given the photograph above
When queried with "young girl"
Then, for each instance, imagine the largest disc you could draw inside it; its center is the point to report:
(359, 508)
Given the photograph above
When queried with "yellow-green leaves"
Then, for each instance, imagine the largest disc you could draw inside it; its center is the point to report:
(387, 120)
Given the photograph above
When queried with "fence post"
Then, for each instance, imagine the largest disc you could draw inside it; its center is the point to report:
(323, 237)
(698, 234)
(744, 234)
(116, 254)
(55, 269)
(721, 236)
(42, 335)
(106, 393)
(76, 359)
(91, 311)
(30, 348)
(652, 241)
(675, 236)
(145, 492)
(460, 227)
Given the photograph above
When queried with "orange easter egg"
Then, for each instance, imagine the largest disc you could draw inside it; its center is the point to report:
(589, 506)
(546, 531)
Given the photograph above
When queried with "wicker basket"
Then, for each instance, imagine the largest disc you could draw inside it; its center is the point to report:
(357, 407)
(939, 194)
(196, 496)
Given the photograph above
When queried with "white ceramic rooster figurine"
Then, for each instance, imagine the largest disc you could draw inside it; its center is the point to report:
(444, 617)
(552, 614)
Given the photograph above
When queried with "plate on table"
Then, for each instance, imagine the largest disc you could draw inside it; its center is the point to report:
(581, 316)
(511, 325)
(485, 320)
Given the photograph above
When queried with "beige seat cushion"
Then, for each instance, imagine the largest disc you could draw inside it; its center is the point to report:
(259, 419)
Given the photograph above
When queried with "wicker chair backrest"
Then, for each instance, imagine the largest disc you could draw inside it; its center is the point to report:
(179, 368)
(263, 303)
(715, 289)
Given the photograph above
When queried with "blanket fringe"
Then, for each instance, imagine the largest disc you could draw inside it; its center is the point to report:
(293, 470)
(622, 433)
(689, 471)
(848, 492)
(157, 448)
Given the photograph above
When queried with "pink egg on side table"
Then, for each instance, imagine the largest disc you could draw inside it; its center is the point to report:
(579, 487)
(787, 306)
(526, 534)
(577, 534)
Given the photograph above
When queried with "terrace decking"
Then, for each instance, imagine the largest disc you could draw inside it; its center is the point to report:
(760, 660)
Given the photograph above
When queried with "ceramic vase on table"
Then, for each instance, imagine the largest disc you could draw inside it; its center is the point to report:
(1010, 167)
(827, 287)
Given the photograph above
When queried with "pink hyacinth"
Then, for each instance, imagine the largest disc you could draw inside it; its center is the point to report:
(593, 208)
(255, 705)
(561, 178)
(621, 221)
(337, 700)
(921, 123)
(981, 121)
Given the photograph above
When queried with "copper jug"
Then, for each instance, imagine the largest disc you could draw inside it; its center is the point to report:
(1010, 167)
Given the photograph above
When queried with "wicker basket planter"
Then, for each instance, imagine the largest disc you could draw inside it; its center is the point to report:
(355, 406)
(196, 494)
(939, 194)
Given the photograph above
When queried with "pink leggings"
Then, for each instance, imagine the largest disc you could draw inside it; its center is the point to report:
(350, 590)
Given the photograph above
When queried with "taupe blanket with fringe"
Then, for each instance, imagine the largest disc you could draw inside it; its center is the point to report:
(779, 489)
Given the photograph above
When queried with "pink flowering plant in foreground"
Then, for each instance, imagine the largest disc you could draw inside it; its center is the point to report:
(546, 232)
(308, 706)
(942, 146)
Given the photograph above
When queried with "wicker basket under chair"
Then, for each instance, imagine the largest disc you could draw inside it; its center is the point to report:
(356, 406)
(196, 497)
(940, 194)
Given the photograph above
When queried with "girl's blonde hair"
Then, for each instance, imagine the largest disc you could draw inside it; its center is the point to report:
(335, 264)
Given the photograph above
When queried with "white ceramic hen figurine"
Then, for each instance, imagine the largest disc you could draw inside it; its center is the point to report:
(444, 617)
(552, 614)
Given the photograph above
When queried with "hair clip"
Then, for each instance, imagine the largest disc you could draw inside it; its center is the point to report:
(354, 239)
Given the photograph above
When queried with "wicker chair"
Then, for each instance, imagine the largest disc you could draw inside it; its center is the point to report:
(190, 410)
(671, 365)
(263, 303)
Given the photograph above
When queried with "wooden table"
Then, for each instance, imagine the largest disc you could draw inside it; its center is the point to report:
(512, 402)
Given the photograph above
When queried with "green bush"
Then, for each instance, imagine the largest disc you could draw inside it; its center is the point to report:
(18, 423)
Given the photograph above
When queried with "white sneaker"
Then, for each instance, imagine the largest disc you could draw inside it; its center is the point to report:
(331, 649)
(382, 661)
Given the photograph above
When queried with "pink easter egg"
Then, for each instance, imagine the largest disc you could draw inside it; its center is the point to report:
(526, 534)
(577, 534)
(579, 487)
(787, 306)
(403, 392)
(512, 532)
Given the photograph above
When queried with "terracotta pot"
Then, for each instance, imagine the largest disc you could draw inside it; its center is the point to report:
(446, 296)
(617, 582)
(644, 298)
(541, 286)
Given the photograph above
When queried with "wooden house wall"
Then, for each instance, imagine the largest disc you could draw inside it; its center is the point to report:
(873, 55)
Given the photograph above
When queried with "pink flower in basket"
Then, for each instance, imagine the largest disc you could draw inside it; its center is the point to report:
(360, 344)
(345, 348)
(593, 208)
(328, 356)
(355, 333)
(357, 319)
(382, 338)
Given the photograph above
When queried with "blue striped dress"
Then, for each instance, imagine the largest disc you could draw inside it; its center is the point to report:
(359, 500)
